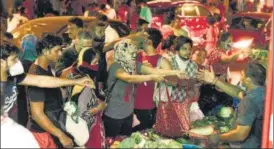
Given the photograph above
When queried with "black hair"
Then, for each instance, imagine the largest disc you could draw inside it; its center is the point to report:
(48, 41)
(8, 35)
(142, 22)
(7, 50)
(142, 1)
(102, 18)
(217, 17)
(84, 35)
(21, 10)
(170, 17)
(180, 41)
(167, 43)
(89, 55)
(128, 2)
(103, 6)
(77, 21)
(155, 36)
(56, 13)
(257, 73)
(210, 19)
(109, 2)
(223, 37)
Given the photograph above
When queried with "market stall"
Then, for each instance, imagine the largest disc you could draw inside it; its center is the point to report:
(220, 121)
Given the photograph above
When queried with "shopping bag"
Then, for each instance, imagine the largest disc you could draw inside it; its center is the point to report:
(75, 125)
(172, 117)
(160, 88)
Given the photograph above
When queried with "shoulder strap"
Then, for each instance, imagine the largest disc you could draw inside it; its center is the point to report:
(112, 86)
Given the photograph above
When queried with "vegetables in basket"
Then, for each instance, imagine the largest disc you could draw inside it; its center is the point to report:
(203, 131)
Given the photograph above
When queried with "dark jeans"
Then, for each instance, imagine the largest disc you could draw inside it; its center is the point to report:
(115, 127)
(147, 119)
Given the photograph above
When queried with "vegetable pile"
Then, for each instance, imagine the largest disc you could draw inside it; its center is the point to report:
(222, 122)
(261, 56)
(148, 140)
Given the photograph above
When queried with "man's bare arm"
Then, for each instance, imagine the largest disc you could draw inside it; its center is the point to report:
(53, 82)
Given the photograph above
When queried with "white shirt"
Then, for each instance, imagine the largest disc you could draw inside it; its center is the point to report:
(110, 34)
(181, 63)
(111, 13)
(14, 135)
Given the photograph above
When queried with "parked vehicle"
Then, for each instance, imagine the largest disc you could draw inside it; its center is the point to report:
(192, 14)
(251, 25)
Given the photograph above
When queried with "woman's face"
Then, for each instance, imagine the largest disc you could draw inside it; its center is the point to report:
(185, 51)
(227, 45)
(131, 54)
(199, 57)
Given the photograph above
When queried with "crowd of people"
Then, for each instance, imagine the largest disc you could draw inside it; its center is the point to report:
(113, 80)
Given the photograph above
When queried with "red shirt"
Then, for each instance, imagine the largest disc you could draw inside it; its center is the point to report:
(144, 93)
(134, 20)
(122, 13)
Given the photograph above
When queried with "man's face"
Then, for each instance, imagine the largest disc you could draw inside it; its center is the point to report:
(146, 44)
(54, 54)
(100, 32)
(83, 43)
(72, 31)
(185, 51)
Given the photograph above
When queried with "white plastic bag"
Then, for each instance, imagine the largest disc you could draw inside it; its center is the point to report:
(79, 128)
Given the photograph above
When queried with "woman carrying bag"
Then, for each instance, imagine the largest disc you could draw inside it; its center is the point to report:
(89, 107)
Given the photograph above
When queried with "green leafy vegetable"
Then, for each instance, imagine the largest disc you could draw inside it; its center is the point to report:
(128, 143)
(183, 141)
(225, 112)
(224, 129)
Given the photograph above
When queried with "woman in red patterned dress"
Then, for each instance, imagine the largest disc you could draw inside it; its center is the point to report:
(217, 57)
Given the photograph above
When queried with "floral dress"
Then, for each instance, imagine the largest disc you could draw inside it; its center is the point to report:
(214, 60)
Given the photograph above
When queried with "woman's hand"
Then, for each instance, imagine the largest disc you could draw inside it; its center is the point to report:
(65, 141)
(86, 81)
(207, 76)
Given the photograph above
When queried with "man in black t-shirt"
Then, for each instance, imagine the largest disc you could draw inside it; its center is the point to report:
(46, 104)
(12, 74)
